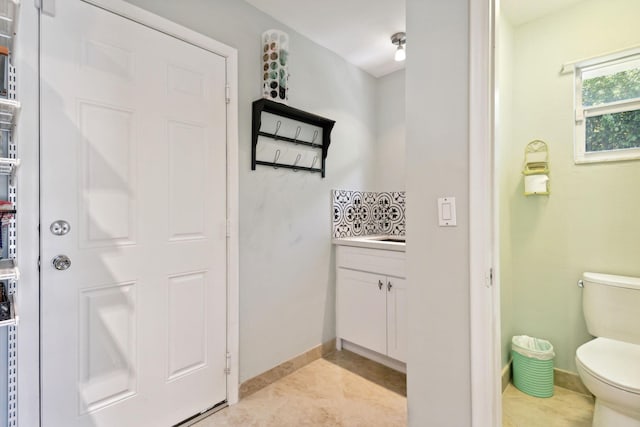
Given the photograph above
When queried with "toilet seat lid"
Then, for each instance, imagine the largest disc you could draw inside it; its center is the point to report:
(614, 362)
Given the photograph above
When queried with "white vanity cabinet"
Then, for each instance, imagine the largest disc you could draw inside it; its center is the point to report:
(371, 300)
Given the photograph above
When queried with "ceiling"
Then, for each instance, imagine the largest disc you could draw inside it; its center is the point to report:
(360, 30)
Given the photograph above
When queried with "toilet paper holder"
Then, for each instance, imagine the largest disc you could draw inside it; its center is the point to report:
(536, 168)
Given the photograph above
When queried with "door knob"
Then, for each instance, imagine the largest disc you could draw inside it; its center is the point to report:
(60, 227)
(61, 262)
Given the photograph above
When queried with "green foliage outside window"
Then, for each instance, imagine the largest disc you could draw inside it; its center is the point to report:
(611, 88)
(613, 131)
(618, 130)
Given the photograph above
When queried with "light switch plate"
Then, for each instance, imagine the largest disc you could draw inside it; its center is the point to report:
(447, 212)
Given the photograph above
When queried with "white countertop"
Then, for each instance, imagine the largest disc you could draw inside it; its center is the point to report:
(372, 242)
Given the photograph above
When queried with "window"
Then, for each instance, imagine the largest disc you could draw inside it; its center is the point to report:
(607, 112)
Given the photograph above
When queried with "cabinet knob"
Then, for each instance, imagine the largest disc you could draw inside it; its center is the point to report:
(389, 286)
(380, 284)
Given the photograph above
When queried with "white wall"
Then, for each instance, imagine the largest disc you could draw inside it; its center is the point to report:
(437, 75)
(391, 135)
(287, 289)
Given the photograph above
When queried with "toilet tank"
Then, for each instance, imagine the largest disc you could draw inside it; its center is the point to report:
(611, 306)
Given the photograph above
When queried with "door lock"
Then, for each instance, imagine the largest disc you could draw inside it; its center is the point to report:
(60, 227)
(61, 262)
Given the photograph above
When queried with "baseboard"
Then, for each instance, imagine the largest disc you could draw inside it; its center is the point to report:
(259, 382)
(570, 381)
(561, 378)
(506, 376)
(376, 357)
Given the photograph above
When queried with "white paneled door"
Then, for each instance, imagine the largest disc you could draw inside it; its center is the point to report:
(133, 158)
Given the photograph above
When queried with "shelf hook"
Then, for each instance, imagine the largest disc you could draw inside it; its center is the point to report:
(276, 157)
(315, 136)
(298, 130)
(298, 157)
(278, 124)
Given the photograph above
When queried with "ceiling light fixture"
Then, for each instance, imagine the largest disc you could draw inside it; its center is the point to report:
(400, 40)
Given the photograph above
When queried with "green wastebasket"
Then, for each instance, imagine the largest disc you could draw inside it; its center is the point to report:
(532, 365)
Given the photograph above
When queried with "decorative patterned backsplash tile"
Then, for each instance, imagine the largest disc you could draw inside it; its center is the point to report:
(363, 213)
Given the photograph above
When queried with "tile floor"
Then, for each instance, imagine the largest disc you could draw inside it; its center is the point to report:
(565, 409)
(346, 390)
(342, 389)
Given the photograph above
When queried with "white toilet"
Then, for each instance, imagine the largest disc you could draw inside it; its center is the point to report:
(609, 365)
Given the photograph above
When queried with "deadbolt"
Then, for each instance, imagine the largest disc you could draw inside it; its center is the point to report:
(61, 262)
(60, 227)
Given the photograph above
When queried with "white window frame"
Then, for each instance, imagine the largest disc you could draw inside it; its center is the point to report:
(582, 113)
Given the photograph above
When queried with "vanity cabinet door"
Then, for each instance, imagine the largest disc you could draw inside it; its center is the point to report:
(361, 309)
(397, 321)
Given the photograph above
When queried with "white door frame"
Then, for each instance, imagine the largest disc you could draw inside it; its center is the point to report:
(486, 389)
(27, 57)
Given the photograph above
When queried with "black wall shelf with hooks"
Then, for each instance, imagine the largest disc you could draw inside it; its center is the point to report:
(315, 134)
